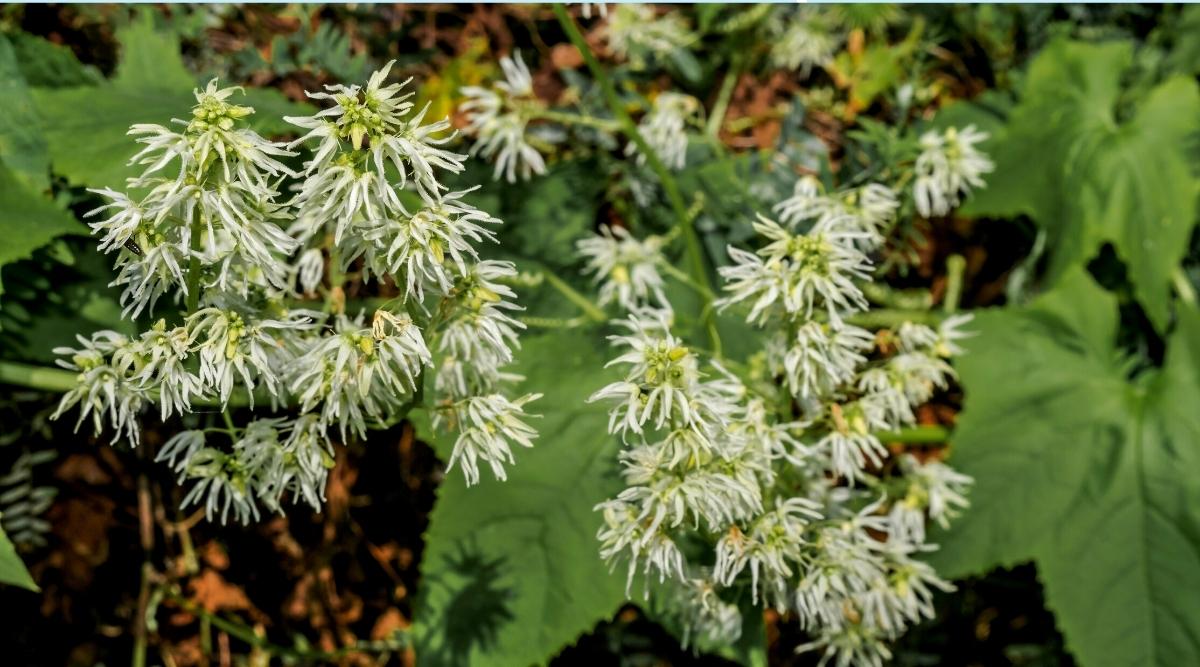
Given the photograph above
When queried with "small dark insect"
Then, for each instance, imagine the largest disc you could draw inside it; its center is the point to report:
(133, 247)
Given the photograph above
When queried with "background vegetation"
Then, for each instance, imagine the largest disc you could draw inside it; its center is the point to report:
(1079, 421)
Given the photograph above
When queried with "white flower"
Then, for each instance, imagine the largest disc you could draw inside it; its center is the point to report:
(949, 332)
(797, 274)
(347, 185)
(850, 445)
(803, 44)
(428, 249)
(638, 32)
(913, 337)
(661, 381)
(948, 167)
(233, 348)
(806, 202)
(820, 358)
(663, 128)
(625, 268)
(600, 8)
(494, 117)
(480, 334)
(179, 450)
(223, 191)
(488, 427)
(310, 269)
(695, 605)
(102, 389)
(159, 360)
(857, 645)
(934, 488)
(360, 373)
(919, 375)
(867, 211)
(882, 389)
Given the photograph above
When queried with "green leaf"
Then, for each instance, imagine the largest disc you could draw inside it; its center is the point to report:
(85, 126)
(546, 215)
(1086, 472)
(27, 220)
(511, 572)
(12, 570)
(22, 146)
(1066, 160)
(46, 64)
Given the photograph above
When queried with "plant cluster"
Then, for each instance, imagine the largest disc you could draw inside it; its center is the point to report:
(220, 224)
(774, 478)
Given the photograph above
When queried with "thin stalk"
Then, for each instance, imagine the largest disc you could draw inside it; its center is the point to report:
(882, 318)
(590, 309)
(59, 380)
(956, 266)
(684, 278)
(564, 118)
(37, 377)
(193, 274)
(721, 107)
(1183, 286)
(683, 219)
(917, 435)
(335, 298)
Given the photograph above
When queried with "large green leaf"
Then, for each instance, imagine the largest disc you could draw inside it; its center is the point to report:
(1088, 177)
(27, 220)
(85, 126)
(45, 64)
(22, 147)
(511, 572)
(12, 570)
(1091, 475)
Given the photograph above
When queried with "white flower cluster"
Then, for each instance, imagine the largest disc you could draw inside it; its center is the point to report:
(639, 33)
(948, 167)
(781, 474)
(211, 230)
(625, 268)
(664, 129)
(803, 40)
(497, 118)
(869, 210)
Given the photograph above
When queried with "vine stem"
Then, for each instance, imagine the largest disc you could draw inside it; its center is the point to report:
(917, 435)
(590, 309)
(956, 266)
(193, 274)
(683, 219)
(564, 118)
(717, 118)
(60, 381)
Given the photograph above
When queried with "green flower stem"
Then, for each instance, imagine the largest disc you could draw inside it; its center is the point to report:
(1183, 286)
(882, 318)
(193, 274)
(335, 300)
(37, 377)
(716, 118)
(917, 435)
(682, 219)
(956, 266)
(585, 304)
(674, 272)
(604, 124)
(904, 299)
(60, 381)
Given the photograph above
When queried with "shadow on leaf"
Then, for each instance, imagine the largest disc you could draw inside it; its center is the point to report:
(473, 608)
